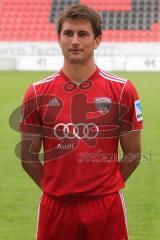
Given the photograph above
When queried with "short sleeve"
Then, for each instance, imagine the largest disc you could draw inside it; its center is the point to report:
(29, 120)
(130, 109)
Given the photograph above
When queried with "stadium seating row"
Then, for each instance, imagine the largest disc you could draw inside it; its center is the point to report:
(108, 5)
(34, 20)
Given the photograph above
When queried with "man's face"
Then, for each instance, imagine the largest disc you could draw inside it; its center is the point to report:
(77, 41)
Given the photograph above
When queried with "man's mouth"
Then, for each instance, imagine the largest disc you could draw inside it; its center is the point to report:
(75, 50)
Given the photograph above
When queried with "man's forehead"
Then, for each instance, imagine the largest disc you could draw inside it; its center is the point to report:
(79, 24)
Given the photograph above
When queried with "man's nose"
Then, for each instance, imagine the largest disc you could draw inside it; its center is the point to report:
(75, 40)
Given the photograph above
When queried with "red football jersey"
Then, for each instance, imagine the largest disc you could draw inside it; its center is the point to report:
(81, 125)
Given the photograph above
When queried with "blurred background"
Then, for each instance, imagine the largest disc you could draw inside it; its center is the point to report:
(29, 52)
(131, 34)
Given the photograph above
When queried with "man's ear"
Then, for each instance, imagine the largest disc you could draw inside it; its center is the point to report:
(98, 41)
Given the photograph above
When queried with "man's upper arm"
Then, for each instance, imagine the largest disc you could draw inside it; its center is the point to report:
(131, 144)
(30, 147)
(130, 110)
(30, 127)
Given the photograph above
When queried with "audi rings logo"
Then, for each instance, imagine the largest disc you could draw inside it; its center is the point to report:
(83, 86)
(79, 130)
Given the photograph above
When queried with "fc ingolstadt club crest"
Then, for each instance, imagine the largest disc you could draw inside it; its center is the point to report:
(102, 104)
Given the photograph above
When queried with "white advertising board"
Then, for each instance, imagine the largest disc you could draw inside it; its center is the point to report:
(110, 56)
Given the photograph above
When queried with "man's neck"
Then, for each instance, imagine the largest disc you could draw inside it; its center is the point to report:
(78, 72)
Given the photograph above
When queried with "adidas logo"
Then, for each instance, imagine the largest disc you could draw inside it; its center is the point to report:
(54, 102)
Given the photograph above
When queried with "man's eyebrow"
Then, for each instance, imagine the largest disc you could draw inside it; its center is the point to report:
(66, 30)
(83, 31)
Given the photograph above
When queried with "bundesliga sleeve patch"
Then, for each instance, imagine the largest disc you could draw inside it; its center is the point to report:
(138, 110)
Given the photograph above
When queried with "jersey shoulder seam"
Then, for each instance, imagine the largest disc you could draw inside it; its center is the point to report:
(46, 80)
(113, 78)
(35, 92)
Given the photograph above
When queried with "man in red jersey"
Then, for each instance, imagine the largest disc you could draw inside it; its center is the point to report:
(80, 115)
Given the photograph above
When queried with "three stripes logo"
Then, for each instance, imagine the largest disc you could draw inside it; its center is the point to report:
(54, 102)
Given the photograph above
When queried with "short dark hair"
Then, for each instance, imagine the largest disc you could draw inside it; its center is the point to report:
(80, 12)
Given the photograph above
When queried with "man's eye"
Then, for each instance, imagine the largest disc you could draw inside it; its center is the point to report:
(68, 34)
(83, 34)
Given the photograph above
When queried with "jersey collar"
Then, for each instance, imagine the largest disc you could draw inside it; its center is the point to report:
(91, 78)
